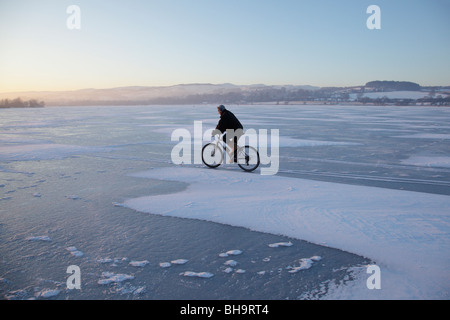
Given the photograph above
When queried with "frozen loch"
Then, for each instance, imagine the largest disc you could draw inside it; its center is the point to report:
(95, 187)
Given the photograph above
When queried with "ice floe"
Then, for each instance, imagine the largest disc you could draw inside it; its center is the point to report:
(179, 261)
(228, 270)
(197, 274)
(305, 263)
(75, 252)
(230, 253)
(280, 244)
(39, 238)
(176, 262)
(141, 264)
(165, 264)
(110, 277)
(231, 263)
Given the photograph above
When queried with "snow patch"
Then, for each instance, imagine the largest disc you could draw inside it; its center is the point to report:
(280, 244)
(404, 232)
(230, 253)
(110, 277)
(231, 263)
(140, 264)
(197, 274)
(179, 261)
(305, 264)
(165, 264)
(39, 238)
(75, 252)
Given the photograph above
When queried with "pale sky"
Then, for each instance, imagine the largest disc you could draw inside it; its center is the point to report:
(169, 42)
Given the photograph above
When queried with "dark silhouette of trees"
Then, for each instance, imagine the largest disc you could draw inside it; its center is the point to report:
(393, 86)
(19, 103)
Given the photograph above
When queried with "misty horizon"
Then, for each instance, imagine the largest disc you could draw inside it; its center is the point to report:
(305, 86)
(378, 92)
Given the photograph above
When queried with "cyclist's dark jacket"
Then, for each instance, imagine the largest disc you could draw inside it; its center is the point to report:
(228, 121)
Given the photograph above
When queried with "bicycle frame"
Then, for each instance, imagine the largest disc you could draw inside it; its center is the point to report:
(224, 145)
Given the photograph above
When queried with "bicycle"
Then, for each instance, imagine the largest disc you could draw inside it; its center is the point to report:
(247, 156)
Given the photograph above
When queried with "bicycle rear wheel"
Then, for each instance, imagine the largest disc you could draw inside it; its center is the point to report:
(248, 158)
(212, 155)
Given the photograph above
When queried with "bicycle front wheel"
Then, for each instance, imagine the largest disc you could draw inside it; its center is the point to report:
(212, 156)
(248, 158)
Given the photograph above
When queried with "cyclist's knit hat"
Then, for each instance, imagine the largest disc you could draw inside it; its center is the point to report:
(221, 107)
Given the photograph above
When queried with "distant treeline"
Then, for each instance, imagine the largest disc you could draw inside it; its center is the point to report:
(393, 86)
(426, 101)
(276, 96)
(19, 103)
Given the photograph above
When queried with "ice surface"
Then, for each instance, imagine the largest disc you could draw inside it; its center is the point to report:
(43, 151)
(433, 136)
(47, 293)
(73, 197)
(292, 142)
(428, 161)
(52, 156)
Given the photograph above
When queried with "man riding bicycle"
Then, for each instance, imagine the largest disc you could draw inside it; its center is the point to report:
(230, 124)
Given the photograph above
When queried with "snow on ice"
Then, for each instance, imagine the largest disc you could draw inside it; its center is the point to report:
(110, 277)
(197, 274)
(406, 233)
